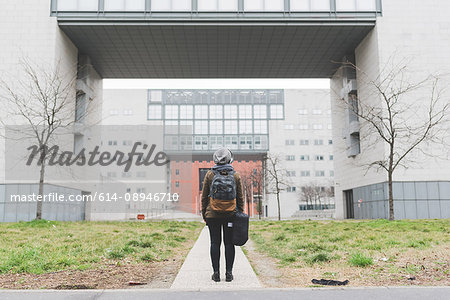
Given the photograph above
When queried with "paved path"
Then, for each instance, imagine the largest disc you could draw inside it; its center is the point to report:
(196, 270)
(383, 293)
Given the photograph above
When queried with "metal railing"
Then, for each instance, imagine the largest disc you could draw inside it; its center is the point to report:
(194, 9)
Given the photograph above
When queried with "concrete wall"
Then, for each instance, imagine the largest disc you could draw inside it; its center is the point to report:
(30, 34)
(416, 33)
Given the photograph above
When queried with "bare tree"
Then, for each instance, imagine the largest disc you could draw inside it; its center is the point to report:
(276, 177)
(44, 100)
(314, 193)
(410, 113)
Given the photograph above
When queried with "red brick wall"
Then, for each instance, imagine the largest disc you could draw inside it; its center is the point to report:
(188, 182)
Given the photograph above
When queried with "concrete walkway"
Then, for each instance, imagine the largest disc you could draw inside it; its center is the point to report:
(196, 270)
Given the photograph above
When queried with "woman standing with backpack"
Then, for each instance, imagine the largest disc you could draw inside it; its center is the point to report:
(221, 197)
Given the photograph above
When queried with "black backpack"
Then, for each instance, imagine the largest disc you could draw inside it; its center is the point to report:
(222, 195)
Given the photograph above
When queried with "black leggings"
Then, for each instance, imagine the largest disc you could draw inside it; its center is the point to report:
(215, 229)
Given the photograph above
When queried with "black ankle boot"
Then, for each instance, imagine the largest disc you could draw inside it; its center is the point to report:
(215, 276)
(229, 276)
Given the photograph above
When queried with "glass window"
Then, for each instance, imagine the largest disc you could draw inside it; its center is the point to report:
(201, 111)
(245, 142)
(254, 5)
(171, 127)
(201, 127)
(186, 112)
(318, 142)
(217, 5)
(215, 142)
(230, 111)
(305, 173)
(231, 142)
(77, 5)
(320, 5)
(304, 142)
(171, 143)
(310, 5)
(288, 126)
(289, 142)
(171, 5)
(245, 111)
(154, 112)
(245, 127)
(260, 111)
(318, 157)
(290, 173)
(317, 126)
(331, 157)
(201, 143)
(124, 5)
(317, 111)
(171, 111)
(186, 127)
(260, 142)
(366, 5)
(304, 157)
(302, 111)
(186, 143)
(231, 127)
(264, 5)
(215, 127)
(260, 126)
(215, 112)
(320, 173)
(303, 126)
(331, 173)
(274, 5)
(276, 111)
(290, 157)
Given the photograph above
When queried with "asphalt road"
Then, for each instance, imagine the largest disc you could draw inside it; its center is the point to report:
(384, 293)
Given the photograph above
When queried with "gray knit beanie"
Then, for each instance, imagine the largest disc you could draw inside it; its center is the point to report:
(223, 156)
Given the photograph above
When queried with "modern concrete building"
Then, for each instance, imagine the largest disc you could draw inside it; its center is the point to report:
(293, 124)
(303, 143)
(248, 39)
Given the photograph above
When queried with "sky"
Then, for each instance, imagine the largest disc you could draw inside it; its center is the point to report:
(239, 83)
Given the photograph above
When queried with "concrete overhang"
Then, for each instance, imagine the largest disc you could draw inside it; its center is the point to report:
(216, 49)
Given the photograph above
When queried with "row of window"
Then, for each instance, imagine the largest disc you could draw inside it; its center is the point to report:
(204, 111)
(305, 126)
(216, 96)
(307, 173)
(216, 127)
(217, 5)
(139, 174)
(317, 142)
(307, 157)
(188, 143)
(314, 112)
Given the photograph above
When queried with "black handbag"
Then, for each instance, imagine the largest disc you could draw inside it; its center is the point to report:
(240, 228)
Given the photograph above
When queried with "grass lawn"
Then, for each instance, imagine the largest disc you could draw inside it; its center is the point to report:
(41, 249)
(366, 252)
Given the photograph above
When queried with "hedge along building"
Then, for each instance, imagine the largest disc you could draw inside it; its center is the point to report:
(246, 39)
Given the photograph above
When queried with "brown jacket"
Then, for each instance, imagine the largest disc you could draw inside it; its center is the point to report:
(207, 212)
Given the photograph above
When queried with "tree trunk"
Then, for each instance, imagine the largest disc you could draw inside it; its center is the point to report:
(41, 192)
(391, 197)
(391, 194)
(278, 202)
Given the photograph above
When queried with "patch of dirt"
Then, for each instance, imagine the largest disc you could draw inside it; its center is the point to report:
(426, 267)
(265, 267)
(154, 274)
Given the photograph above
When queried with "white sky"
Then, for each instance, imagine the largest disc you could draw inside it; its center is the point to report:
(238, 83)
